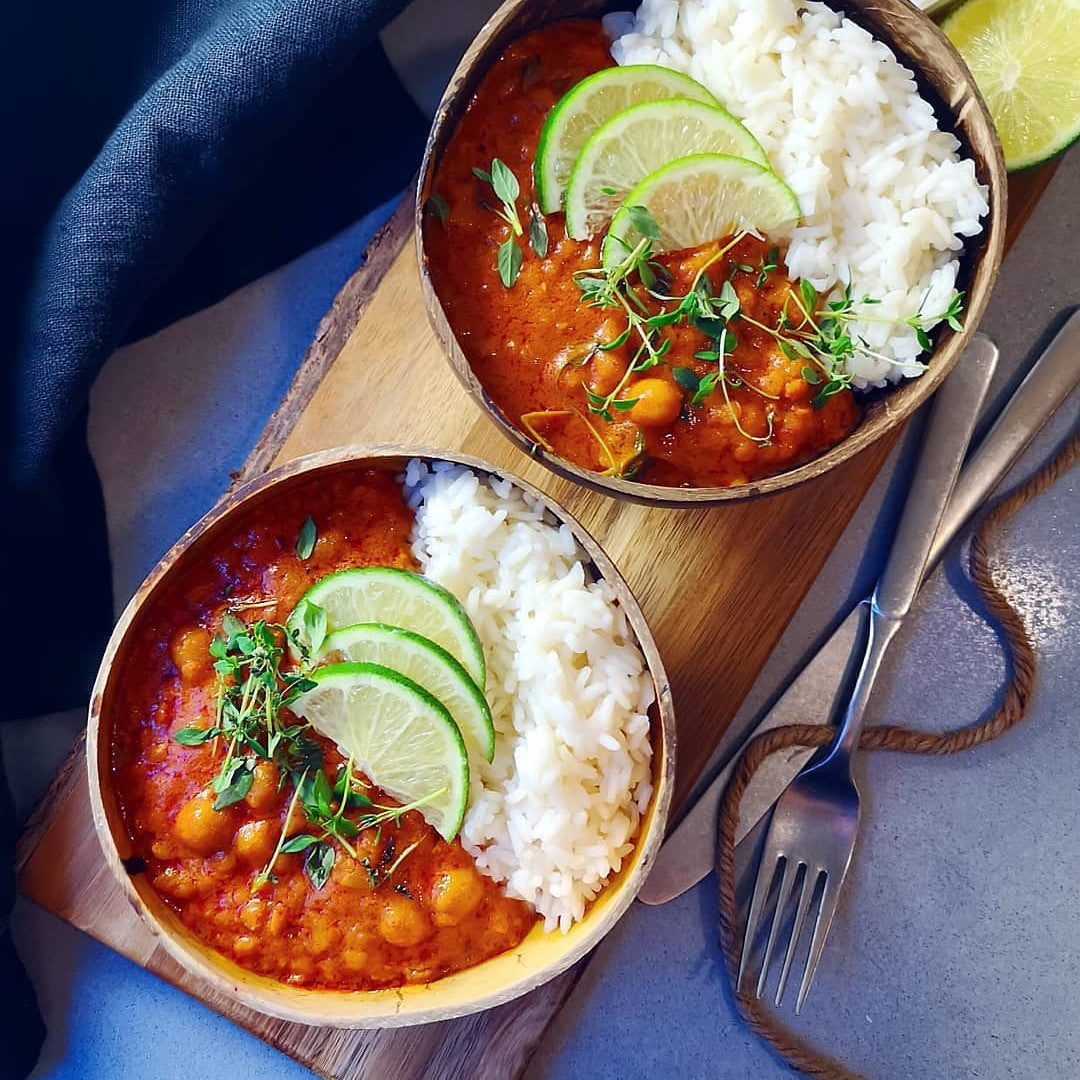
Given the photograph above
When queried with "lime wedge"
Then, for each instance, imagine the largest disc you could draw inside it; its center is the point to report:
(701, 198)
(638, 141)
(397, 734)
(428, 665)
(585, 107)
(399, 598)
(1025, 56)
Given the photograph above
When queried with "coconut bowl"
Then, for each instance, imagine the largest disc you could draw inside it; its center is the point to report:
(943, 79)
(537, 959)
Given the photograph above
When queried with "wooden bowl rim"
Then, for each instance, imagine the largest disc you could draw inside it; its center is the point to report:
(959, 105)
(408, 1005)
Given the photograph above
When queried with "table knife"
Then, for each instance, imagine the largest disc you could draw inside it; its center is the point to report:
(687, 855)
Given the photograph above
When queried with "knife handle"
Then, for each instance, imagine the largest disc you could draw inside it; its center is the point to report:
(1051, 379)
(945, 442)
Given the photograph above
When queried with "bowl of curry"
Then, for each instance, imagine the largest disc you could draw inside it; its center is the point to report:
(251, 842)
(625, 387)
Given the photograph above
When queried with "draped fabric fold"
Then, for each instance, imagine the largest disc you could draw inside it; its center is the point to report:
(159, 156)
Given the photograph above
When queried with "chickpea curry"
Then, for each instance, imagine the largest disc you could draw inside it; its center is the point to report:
(677, 395)
(300, 872)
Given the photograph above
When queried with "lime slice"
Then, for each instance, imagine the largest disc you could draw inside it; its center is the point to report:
(1025, 56)
(399, 598)
(397, 734)
(584, 108)
(701, 198)
(428, 665)
(638, 141)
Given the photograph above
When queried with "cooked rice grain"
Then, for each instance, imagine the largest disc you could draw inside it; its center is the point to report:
(557, 811)
(887, 199)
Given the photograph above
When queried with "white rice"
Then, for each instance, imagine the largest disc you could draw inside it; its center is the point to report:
(557, 811)
(886, 197)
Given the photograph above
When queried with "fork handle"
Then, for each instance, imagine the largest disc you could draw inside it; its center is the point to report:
(945, 441)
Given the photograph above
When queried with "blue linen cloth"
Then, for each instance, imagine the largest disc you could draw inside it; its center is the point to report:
(159, 155)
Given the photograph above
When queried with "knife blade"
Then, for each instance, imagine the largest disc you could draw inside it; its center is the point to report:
(687, 855)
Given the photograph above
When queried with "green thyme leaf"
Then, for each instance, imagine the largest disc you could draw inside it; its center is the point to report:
(193, 736)
(439, 207)
(644, 222)
(729, 301)
(315, 626)
(305, 541)
(504, 182)
(687, 378)
(319, 863)
(298, 843)
(615, 342)
(481, 174)
(238, 786)
(509, 262)
(538, 234)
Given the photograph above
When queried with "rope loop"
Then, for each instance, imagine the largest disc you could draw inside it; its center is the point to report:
(797, 1052)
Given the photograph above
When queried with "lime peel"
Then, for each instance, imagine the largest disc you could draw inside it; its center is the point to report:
(396, 733)
(588, 105)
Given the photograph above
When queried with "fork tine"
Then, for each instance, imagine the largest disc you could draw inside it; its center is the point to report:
(782, 897)
(808, 885)
(762, 885)
(830, 895)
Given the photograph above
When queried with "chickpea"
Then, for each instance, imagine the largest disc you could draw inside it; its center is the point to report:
(607, 369)
(190, 652)
(455, 895)
(403, 922)
(176, 882)
(255, 842)
(795, 389)
(329, 542)
(279, 920)
(354, 959)
(164, 850)
(253, 913)
(351, 875)
(201, 828)
(244, 945)
(263, 794)
(323, 938)
(659, 402)
(158, 752)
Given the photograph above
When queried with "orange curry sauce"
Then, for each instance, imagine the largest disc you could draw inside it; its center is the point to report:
(526, 343)
(435, 915)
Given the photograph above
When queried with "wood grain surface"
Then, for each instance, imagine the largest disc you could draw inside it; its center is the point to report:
(718, 586)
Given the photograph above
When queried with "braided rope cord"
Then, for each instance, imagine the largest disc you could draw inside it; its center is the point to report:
(799, 1054)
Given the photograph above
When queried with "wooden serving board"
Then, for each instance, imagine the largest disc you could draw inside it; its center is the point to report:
(718, 586)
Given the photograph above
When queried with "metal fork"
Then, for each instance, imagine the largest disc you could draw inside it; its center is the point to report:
(812, 833)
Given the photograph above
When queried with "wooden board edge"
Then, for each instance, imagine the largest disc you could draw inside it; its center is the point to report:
(43, 814)
(1026, 189)
(330, 337)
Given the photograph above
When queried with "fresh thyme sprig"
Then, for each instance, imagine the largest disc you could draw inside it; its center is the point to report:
(615, 288)
(824, 338)
(252, 691)
(325, 807)
(507, 189)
